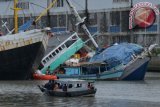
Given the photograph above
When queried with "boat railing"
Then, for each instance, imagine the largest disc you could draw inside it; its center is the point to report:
(35, 38)
(22, 35)
(59, 50)
(22, 39)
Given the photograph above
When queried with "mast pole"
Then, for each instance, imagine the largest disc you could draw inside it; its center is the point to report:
(86, 12)
(81, 22)
(48, 15)
(15, 16)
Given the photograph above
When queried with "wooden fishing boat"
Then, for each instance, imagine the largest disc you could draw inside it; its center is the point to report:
(124, 61)
(68, 88)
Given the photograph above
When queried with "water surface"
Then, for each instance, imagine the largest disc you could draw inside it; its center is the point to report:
(109, 94)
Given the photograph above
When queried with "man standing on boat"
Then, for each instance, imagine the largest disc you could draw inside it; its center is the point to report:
(65, 88)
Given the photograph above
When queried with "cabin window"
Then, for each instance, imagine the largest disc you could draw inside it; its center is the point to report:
(60, 48)
(44, 61)
(47, 59)
(57, 51)
(63, 46)
(69, 43)
(70, 86)
(53, 54)
(79, 85)
(50, 56)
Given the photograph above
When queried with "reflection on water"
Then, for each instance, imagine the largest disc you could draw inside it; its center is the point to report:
(109, 94)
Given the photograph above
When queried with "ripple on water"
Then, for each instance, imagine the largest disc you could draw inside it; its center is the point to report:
(109, 94)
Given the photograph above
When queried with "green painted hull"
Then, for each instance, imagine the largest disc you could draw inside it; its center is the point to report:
(65, 55)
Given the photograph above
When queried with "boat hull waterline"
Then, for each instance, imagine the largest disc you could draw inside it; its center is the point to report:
(21, 54)
(89, 92)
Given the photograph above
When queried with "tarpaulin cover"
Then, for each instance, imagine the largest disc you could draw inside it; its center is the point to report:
(118, 54)
(26, 25)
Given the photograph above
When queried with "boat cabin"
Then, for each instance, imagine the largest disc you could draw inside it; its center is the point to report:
(69, 85)
(68, 88)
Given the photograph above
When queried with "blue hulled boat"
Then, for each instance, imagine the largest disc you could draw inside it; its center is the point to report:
(125, 61)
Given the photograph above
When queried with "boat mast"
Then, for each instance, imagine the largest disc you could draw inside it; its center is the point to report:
(86, 12)
(81, 22)
(15, 16)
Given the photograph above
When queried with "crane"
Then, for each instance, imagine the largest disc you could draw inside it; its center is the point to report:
(44, 11)
(31, 22)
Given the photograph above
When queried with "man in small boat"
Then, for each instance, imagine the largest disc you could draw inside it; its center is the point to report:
(56, 86)
(90, 86)
(65, 87)
(49, 85)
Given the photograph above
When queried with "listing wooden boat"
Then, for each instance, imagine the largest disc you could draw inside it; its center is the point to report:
(124, 61)
(44, 77)
(68, 88)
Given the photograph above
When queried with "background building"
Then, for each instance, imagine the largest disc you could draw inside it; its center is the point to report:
(110, 18)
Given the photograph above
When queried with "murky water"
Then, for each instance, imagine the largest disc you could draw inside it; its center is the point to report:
(109, 94)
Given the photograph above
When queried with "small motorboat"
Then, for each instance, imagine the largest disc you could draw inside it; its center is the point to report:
(44, 77)
(68, 88)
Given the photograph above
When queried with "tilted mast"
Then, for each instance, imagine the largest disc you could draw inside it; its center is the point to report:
(81, 22)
